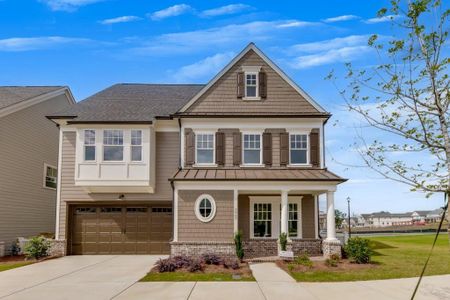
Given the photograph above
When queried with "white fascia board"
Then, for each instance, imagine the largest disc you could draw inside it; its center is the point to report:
(280, 72)
(252, 123)
(35, 100)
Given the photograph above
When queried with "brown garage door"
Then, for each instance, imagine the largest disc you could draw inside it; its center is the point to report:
(120, 229)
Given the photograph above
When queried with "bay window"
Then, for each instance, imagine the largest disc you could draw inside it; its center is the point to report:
(298, 149)
(252, 149)
(89, 145)
(113, 145)
(136, 145)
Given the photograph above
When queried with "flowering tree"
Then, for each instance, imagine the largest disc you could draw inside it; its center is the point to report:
(407, 95)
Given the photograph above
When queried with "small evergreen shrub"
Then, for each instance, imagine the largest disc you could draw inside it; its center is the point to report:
(238, 244)
(283, 241)
(304, 260)
(211, 259)
(358, 250)
(36, 247)
(333, 261)
(196, 265)
(166, 265)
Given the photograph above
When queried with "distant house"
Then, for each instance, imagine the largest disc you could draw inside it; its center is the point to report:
(384, 218)
(28, 159)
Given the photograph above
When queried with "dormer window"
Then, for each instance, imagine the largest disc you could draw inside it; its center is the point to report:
(251, 85)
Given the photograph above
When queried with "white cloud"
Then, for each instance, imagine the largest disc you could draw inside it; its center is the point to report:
(225, 10)
(68, 5)
(341, 18)
(383, 19)
(294, 23)
(38, 43)
(329, 51)
(123, 19)
(232, 34)
(204, 68)
(171, 11)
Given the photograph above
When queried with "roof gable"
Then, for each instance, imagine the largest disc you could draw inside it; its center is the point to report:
(284, 96)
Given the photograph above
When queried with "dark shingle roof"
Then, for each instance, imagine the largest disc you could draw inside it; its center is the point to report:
(131, 103)
(10, 95)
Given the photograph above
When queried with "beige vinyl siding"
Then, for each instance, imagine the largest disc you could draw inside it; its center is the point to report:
(191, 229)
(27, 141)
(167, 155)
(222, 97)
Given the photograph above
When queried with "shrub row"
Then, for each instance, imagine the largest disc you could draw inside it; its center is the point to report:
(174, 263)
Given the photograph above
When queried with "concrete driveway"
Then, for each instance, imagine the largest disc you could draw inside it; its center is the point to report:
(76, 277)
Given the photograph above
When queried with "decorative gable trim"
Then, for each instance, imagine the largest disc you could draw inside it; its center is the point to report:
(280, 72)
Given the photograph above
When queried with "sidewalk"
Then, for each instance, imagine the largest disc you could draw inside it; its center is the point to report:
(274, 284)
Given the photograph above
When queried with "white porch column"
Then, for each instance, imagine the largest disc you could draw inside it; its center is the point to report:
(331, 225)
(235, 211)
(284, 212)
(175, 215)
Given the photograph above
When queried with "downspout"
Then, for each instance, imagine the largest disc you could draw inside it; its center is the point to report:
(181, 136)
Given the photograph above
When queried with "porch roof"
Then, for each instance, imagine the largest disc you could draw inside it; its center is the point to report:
(256, 174)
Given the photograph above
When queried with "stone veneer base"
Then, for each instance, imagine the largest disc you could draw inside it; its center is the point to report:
(331, 247)
(57, 248)
(255, 248)
(197, 249)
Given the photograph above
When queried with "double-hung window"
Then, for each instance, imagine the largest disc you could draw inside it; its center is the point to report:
(113, 145)
(252, 149)
(89, 145)
(293, 220)
(51, 175)
(251, 85)
(298, 149)
(136, 145)
(205, 148)
(262, 219)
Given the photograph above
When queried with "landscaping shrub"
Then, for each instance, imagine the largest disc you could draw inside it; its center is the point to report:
(166, 265)
(15, 248)
(332, 261)
(211, 259)
(238, 244)
(231, 263)
(36, 247)
(304, 260)
(358, 250)
(182, 261)
(196, 265)
(283, 241)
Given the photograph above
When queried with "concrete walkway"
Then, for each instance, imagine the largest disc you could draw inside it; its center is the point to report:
(75, 277)
(269, 272)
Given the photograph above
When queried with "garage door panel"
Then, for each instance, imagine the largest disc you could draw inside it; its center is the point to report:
(121, 230)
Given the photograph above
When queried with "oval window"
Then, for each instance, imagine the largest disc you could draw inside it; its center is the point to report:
(205, 208)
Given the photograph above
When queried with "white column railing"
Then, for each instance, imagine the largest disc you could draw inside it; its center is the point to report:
(284, 212)
(331, 223)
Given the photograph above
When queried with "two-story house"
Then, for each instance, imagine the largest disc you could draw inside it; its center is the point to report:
(28, 160)
(155, 168)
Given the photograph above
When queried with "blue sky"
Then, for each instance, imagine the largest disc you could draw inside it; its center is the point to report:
(91, 44)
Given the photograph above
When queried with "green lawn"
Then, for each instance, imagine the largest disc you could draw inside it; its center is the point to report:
(182, 276)
(9, 266)
(395, 257)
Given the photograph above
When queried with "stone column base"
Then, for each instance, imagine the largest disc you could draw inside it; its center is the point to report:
(57, 248)
(331, 247)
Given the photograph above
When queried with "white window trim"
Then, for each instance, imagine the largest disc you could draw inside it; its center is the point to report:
(213, 164)
(260, 164)
(45, 175)
(124, 134)
(298, 201)
(308, 163)
(131, 146)
(275, 201)
(197, 206)
(257, 97)
(95, 145)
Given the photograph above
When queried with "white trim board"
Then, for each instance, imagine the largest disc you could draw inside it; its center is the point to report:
(38, 99)
(280, 72)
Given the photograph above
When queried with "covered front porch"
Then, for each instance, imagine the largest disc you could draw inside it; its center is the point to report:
(261, 209)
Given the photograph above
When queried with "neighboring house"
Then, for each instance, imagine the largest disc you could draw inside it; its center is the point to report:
(384, 219)
(434, 216)
(28, 159)
(154, 168)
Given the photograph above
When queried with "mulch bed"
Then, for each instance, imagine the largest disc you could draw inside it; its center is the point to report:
(244, 270)
(13, 259)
